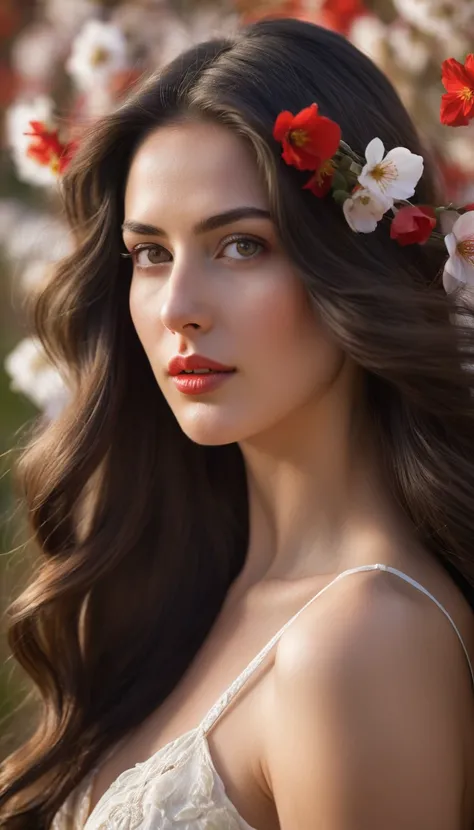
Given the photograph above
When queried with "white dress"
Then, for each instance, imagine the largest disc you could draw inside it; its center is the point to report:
(179, 787)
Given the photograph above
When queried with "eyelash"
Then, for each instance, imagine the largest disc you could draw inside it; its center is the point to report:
(133, 254)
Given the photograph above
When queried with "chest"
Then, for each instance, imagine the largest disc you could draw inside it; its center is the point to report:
(235, 744)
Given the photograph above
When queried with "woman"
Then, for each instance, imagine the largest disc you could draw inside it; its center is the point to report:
(188, 524)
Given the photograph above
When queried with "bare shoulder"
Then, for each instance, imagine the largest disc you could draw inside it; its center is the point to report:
(367, 688)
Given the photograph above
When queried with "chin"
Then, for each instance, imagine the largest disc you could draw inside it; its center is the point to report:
(208, 433)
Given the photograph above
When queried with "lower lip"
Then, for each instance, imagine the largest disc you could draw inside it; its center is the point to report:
(200, 384)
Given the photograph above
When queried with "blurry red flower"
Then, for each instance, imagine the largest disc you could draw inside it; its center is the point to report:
(340, 14)
(320, 182)
(252, 10)
(413, 224)
(457, 104)
(46, 148)
(308, 139)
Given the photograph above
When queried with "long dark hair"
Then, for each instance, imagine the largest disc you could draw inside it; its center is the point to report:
(140, 530)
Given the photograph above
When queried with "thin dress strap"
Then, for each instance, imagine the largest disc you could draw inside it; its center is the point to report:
(217, 709)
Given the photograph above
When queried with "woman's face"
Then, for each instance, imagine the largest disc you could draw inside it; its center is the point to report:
(212, 279)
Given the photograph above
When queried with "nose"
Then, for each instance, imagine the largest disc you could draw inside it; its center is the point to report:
(185, 301)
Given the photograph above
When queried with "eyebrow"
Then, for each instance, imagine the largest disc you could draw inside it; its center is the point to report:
(204, 226)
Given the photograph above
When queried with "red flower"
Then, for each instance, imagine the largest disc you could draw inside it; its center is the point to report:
(308, 139)
(320, 182)
(341, 14)
(457, 104)
(412, 224)
(46, 148)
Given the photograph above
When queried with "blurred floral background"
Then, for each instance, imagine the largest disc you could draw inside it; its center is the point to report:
(64, 63)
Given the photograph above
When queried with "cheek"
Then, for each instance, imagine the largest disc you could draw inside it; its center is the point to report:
(141, 312)
(290, 342)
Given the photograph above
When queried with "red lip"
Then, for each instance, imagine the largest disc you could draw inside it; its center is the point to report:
(195, 361)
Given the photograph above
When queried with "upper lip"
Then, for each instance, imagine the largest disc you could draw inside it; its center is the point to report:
(195, 361)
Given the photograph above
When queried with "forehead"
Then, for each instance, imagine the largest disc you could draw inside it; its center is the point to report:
(195, 167)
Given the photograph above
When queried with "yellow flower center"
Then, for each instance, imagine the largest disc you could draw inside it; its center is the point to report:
(465, 249)
(326, 169)
(466, 94)
(384, 173)
(54, 164)
(298, 137)
(99, 55)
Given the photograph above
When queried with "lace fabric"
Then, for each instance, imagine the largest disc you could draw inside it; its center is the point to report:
(179, 785)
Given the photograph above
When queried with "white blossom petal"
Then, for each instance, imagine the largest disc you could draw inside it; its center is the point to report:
(460, 247)
(392, 177)
(32, 374)
(374, 152)
(99, 51)
(363, 211)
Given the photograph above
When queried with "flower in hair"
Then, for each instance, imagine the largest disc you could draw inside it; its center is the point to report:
(413, 223)
(367, 189)
(363, 210)
(320, 182)
(457, 104)
(308, 138)
(392, 177)
(460, 244)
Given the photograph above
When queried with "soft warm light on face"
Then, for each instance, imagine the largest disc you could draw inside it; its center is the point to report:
(211, 278)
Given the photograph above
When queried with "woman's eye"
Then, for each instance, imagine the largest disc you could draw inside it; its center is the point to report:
(243, 248)
(149, 255)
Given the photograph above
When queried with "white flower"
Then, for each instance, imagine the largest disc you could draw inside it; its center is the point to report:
(440, 18)
(392, 177)
(32, 374)
(460, 244)
(36, 52)
(363, 210)
(17, 122)
(99, 51)
(408, 47)
(68, 15)
(369, 34)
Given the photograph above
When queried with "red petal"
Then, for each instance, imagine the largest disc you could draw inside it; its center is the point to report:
(413, 224)
(454, 75)
(320, 182)
(324, 134)
(282, 125)
(469, 67)
(452, 110)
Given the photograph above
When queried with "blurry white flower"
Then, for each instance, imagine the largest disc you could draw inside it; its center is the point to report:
(363, 210)
(369, 34)
(37, 236)
(460, 244)
(17, 123)
(441, 18)
(34, 275)
(36, 52)
(408, 48)
(68, 15)
(98, 52)
(32, 374)
(392, 177)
